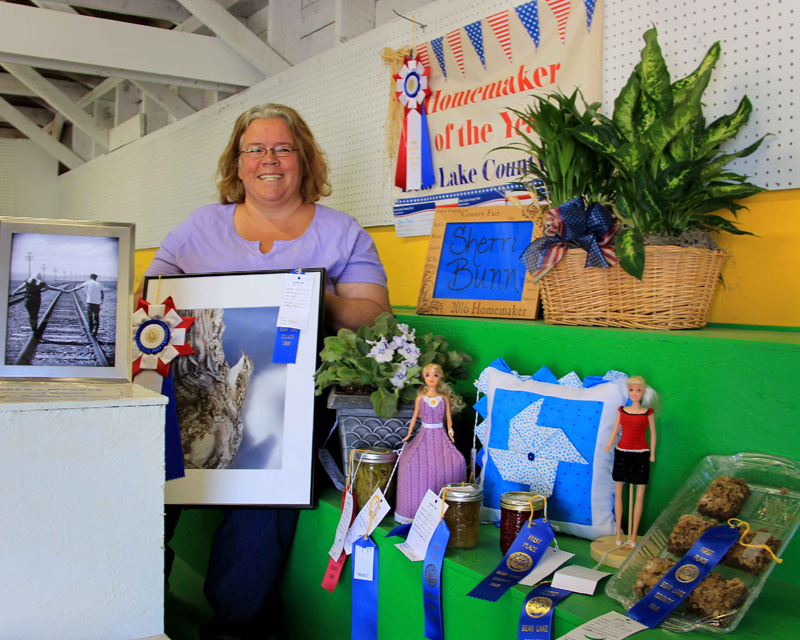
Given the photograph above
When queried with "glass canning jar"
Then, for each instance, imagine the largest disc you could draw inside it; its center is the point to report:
(515, 510)
(463, 516)
(372, 469)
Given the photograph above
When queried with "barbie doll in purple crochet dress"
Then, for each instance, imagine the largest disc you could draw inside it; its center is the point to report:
(430, 460)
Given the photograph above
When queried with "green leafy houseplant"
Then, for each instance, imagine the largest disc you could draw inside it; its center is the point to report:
(567, 167)
(385, 361)
(669, 170)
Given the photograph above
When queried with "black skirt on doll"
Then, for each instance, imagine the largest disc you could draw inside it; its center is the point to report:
(632, 467)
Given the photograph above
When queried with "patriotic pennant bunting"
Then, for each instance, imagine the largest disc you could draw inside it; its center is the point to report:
(454, 40)
(499, 26)
(561, 10)
(590, 4)
(421, 54)
(529, 16)
(475, 33)
(438, 49)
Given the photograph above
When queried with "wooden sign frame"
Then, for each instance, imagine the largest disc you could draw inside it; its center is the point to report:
(454, 233)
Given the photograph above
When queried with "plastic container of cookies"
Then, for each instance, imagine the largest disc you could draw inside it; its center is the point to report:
(773, 506)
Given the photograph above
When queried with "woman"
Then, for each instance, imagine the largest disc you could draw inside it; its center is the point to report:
(271, 175)
(431, 460)
(33, 297)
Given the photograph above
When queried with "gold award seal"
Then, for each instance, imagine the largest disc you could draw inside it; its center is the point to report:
(430, 575)
(687, 573)
(537, 607)
(519, 561)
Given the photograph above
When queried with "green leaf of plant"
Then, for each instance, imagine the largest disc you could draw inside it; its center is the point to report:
(726, 127)
(629, 246)
(408, 393)
(710, 170)
(384, 402)
(624, 107)
(683, 87)
(654, 75)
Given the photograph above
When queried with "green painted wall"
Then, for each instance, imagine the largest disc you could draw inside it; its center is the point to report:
(722, 391)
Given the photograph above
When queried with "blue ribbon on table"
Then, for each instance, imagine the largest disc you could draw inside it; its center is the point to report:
(364, 624)
(572, 224)
(536, 617)
(432, 582)
(690, 571)
(524, 554)
(173, 452)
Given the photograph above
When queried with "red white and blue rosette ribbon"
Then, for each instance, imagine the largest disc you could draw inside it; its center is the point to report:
(572, 224)
(414, 164)
(159, 336)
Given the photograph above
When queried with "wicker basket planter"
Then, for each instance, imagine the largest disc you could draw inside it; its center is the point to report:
(674, 293)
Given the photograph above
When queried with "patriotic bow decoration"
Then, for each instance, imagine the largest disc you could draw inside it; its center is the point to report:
(159, 336)
(414, 166)
(573, 225)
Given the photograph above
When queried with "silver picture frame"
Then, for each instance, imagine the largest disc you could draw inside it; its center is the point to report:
(246, 421)
(50, 269)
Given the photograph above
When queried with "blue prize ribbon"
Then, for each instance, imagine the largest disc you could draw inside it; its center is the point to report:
(364, 624)
(286, 341)
(432, 582)
(173, 454)
(690, 571)
(401, 530)
(523, 555)
(536, 617)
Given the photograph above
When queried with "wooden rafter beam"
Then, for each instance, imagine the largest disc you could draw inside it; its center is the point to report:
(163, 97)
(112, 48)
(237, 36)
(30, 129)
(169, 10)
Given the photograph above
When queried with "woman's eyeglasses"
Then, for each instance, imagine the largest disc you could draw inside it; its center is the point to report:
(281, 151)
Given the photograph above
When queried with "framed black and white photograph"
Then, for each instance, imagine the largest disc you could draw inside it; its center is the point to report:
(246, 422)
(65, 291)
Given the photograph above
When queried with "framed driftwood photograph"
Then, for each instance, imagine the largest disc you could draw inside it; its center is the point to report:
(246, 421)
(473, 266)
(65, 299)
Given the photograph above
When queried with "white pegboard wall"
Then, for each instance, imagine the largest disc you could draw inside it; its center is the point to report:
(158, 180)
(759, 59)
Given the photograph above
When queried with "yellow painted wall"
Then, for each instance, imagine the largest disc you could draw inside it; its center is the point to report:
(762, 274)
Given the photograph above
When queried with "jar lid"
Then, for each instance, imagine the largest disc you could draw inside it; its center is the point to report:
(374, 455)
(463, 492)
(518, 501)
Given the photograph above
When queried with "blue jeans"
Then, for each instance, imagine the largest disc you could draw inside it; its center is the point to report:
(248, 552)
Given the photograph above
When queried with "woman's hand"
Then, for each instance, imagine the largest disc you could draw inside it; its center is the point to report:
(355, 304)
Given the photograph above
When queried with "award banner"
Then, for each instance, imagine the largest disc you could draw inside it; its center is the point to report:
(480, 72)
(432, 582)
(520, 559)
(690, 571)
(536, 617)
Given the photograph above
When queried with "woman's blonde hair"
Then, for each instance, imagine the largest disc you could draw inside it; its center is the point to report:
(313, 164)
(442, 388)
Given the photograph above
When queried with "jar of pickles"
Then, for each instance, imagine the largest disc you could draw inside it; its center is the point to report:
(372, 469)
(515, 510)
(463, 516)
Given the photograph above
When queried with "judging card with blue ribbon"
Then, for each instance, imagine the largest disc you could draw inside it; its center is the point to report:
(292, 315)
(524, 554)
(364, 625)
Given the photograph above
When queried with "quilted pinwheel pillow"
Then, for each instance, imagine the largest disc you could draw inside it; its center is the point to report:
(547, 435)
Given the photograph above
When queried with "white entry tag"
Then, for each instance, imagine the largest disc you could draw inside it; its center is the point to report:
(295, 301)
(363, 560)
(342, 527)
(609, 626)
(422, 529)
(361, 525)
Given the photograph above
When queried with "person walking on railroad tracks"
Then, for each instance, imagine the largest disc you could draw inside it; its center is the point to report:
(94, 298)
(33, 297)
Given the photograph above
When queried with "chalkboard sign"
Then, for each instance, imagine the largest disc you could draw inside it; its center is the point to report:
(473, 266)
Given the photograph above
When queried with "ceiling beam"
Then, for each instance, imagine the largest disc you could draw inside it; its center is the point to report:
(54, 5)
(112, 48)
(237, 36)
(10, 86)
(169, 10)
(53, 147)
(190, 25)
(60, 102)
(164, 98)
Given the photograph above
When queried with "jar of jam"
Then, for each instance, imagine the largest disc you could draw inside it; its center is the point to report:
(372, 469)
(463, 516)
(515, 510)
